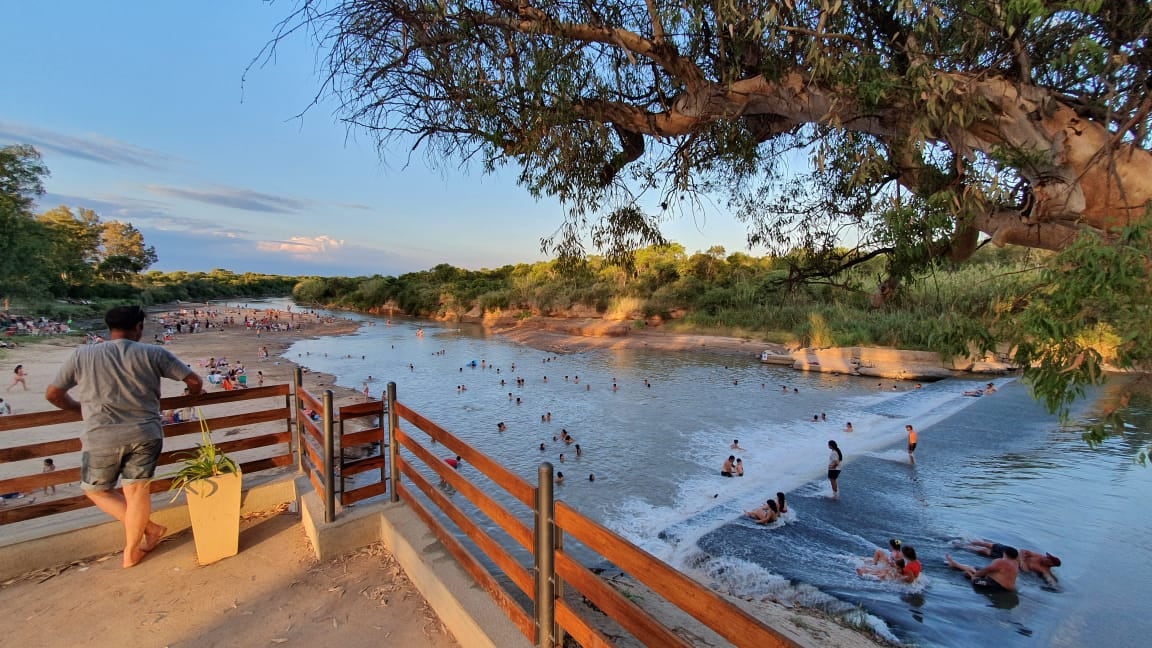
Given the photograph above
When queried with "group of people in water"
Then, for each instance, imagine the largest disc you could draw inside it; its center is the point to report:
(900, 563)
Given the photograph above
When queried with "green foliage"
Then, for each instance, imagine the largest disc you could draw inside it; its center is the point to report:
(1092, 304)
(21, 176)
(202, 462)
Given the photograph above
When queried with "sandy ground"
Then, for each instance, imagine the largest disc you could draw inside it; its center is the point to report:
(274, 592)
(305, 605)
(563, 336)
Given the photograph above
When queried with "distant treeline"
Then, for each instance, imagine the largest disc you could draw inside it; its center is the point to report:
(712, 291)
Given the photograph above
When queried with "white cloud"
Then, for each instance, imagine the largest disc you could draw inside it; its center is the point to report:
(303, 247)
(89, 146)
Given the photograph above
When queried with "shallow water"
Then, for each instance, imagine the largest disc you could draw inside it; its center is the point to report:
(995, 467)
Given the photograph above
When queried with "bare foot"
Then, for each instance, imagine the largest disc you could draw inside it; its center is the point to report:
(152, 536)
(951, 563)
(131, 559)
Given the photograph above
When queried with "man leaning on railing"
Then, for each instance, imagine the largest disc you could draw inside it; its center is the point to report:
(118, 384)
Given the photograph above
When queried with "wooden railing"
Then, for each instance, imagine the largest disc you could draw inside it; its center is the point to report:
(326, 446)
(271, 447)
(550, 569)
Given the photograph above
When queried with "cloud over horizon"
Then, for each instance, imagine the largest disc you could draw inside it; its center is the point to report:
(90, 147)
(234, 198)
(302, 247)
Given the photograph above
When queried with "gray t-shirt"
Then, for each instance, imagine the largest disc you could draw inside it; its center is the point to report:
(118, 386)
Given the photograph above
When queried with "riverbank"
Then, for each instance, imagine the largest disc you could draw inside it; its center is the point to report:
(562, 335)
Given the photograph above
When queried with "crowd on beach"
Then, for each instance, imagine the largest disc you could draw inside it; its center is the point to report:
(16, 325)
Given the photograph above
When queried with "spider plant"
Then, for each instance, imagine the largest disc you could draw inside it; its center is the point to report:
(202, 462)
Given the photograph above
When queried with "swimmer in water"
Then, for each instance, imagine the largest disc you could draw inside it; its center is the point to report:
(766, 514)
(999, 576)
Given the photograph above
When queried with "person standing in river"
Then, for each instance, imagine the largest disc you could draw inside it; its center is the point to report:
(835, 458)
(911, 443)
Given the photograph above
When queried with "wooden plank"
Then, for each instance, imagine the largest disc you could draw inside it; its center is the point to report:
(225, 422)
(619, 608)
(350, 497)
(37, 419)
(357, 466)
(216, 398)
(56, 417)
(363, 437)
(515, 572)
(521, 619)
(10, 514)
(310, 401)
(258, 465)
(585, 635)
(37, 450)
(314, 457)
(317, 482)
(250, 443)
(511, 525)
(727, 620)
(247, 443)
(359, 410)
(504, 478)
(309, 428)
(35, 482)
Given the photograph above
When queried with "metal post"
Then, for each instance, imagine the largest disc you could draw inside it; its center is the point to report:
(329, 458)
(297, 439)
(384, 439)
(544, 534)
(393, 447)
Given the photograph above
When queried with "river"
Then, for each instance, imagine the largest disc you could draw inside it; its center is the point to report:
(995, 467)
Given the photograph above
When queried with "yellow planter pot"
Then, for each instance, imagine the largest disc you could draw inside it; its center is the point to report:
(214, 506)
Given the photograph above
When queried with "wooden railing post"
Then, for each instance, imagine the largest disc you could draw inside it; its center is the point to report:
(393, 447)
(329, 459)
(297, 439)
(544, 532)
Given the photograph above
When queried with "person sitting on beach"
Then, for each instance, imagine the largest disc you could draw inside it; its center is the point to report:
(729, 466)
(1038, 563)
(766, 514)
(998, 576)
(781, 503)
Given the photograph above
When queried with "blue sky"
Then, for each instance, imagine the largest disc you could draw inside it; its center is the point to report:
(144, 113)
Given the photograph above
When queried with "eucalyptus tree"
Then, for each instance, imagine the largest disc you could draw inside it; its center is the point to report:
(932, 127)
